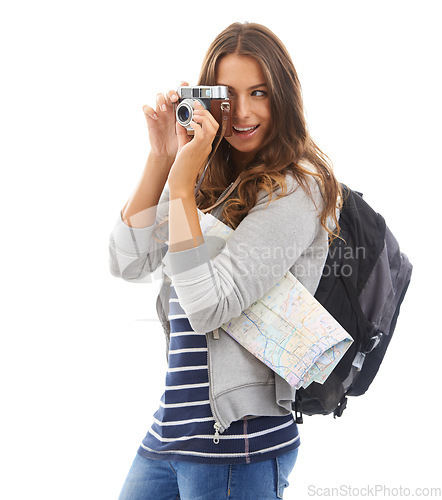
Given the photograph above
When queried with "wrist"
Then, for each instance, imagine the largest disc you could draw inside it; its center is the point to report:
(180, 190)
(161, 159)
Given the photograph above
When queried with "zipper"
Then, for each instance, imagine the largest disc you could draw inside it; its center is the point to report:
(215, 332)
(217, 426)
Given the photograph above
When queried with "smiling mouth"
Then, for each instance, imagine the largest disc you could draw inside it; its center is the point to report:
(244, 130)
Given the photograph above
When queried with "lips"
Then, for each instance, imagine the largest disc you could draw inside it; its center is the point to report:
(245, 130)
(245, 133)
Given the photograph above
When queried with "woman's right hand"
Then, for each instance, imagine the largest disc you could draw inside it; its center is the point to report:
(161, 126)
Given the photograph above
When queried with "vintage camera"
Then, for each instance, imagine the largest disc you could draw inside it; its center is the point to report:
(215, 99)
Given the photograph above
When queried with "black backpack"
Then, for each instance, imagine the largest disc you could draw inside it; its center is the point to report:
(363, 285)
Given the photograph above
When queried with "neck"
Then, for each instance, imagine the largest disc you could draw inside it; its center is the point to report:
(238, 162)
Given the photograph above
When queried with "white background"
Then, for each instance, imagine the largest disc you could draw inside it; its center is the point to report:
(82, 353)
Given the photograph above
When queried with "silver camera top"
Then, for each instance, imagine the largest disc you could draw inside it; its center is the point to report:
(203, 92)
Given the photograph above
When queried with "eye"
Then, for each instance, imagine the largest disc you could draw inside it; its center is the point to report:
(259, 93)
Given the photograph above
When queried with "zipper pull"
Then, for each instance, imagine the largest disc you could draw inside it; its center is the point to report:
(217, 427)
(216, 334)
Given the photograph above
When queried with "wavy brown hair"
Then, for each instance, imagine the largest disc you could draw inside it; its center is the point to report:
(288, 144)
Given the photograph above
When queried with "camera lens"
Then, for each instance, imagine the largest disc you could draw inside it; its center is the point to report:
(183, 114)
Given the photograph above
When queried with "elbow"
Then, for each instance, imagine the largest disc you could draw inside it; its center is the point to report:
(200, 325)
(209, 319)
(209, 307)
(134, 275)
(132, 272)
(132, 268)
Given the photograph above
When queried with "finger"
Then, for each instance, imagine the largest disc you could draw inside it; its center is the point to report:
(206, 120)
(149, 112)
(204, 129)
(161, 103)
(199, 133)
(200, 110)
(172, 97)
(183, 137)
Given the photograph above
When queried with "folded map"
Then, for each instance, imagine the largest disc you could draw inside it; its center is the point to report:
(287, 328)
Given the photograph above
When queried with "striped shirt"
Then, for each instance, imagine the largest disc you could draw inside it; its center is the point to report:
(184, 427)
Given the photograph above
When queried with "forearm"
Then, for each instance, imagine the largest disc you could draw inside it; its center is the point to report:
(184, 227)
(136, 252)
(140, 209)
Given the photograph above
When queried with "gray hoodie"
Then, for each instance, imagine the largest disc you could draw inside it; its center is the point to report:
(216, 281)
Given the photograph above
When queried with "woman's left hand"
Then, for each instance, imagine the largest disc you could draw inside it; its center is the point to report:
(192, 150)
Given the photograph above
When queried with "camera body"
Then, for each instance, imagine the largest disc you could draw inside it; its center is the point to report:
(214, 98)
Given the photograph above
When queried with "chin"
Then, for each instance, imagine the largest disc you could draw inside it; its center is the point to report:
(244, 148)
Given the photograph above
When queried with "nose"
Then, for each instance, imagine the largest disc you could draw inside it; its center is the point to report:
(241, 108)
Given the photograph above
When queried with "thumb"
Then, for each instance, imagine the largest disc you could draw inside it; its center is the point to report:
(181, 133)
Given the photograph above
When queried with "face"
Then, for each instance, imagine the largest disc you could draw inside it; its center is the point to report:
(251, 104)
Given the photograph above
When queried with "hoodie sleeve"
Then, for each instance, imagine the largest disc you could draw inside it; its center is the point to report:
(133, 252)
(264, 246)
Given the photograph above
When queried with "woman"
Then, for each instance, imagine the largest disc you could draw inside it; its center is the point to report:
(224, 427)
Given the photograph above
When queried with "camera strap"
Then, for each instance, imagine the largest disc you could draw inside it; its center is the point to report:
(224, 197)
(225, 110)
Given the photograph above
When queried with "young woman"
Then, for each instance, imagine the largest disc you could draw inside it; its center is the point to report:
(224, 427)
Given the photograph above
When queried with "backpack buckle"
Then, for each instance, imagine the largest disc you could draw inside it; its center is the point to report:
(297, 407)
(339, 410)
(373, 342)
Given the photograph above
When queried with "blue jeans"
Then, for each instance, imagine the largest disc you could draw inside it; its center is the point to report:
(172, 480)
